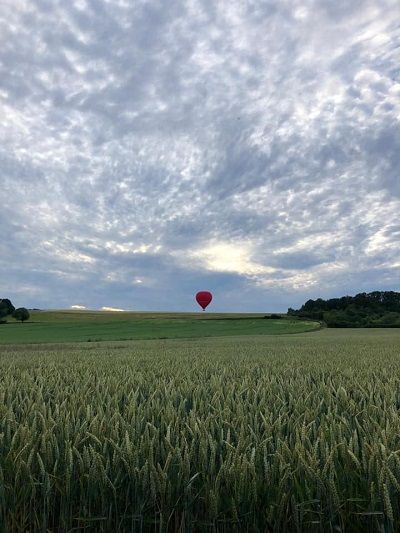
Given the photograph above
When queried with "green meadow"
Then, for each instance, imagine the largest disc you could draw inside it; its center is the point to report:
(89, 326)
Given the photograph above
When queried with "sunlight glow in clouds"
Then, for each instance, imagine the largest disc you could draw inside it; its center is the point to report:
(230, 257)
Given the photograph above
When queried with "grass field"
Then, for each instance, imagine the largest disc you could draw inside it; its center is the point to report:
(81, 326)
(252, 433)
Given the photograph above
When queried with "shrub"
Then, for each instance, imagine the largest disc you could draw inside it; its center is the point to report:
(21, 314)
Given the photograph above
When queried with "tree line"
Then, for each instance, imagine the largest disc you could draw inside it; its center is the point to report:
(7, 309)
(364, 310)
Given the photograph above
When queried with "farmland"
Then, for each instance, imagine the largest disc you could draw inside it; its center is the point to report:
(88, 326)
(246, 433)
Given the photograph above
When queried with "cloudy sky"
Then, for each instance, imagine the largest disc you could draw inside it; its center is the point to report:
(150, 149)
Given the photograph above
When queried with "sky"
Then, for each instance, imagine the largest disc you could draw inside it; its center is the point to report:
(151, 149)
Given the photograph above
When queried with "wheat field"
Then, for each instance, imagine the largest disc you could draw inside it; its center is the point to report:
(286, 433)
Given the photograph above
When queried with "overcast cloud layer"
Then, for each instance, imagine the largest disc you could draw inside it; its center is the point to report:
(150, 149)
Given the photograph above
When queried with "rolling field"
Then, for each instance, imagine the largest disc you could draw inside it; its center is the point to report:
(253, 433)
(84, 326)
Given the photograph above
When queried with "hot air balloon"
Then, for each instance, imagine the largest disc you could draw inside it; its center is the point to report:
(203, 298)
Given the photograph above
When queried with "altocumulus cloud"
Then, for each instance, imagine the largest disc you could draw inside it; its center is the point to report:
(148, 150)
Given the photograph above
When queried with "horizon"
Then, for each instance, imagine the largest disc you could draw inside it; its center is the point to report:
(251, 149)
(110, 309)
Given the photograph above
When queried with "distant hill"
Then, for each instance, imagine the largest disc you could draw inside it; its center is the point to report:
(365, 310)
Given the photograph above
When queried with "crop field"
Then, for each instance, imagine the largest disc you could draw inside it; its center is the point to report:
(252, 433)
(86, 326)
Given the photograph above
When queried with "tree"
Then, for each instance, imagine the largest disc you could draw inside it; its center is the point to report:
(6, 307)
(21, 314)
(362, 310)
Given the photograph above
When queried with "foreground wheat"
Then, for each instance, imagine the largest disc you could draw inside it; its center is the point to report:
(296, 433)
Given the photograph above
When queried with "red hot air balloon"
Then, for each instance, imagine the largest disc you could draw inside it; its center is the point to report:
(203, 298)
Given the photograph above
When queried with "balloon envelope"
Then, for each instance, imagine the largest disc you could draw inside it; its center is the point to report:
(203, 298)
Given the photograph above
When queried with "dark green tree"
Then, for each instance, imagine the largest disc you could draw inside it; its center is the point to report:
(21, 314)
(376, 309)
(6, 307)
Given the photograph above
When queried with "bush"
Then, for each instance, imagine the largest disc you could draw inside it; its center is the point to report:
(21, 314)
